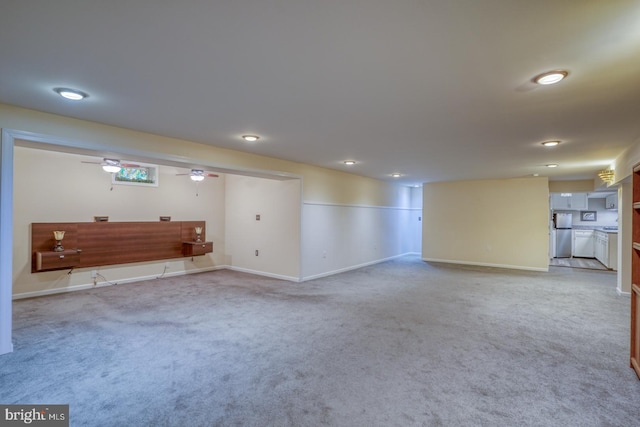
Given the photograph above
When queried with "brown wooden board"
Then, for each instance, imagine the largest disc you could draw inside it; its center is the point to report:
(109, 243)
(635, 274)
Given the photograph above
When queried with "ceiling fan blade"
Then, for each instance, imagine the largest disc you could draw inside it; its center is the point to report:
(129, 165)
(212, 175)
(93, 163)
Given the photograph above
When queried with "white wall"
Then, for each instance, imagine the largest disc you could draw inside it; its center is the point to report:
(502, 223)
(625, 236)
(342, 237)
(57, 187)
(276, 236)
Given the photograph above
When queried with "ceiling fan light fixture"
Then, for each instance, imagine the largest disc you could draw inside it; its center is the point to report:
(196, 175)
(250, 138)
(550, 77)
(111, 168)
(72, 94)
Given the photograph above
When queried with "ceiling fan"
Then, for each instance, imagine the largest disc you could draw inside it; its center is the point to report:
(113, 165)
(198, 175)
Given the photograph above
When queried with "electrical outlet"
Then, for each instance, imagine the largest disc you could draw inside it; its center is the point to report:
(94, 274)
(257, 252)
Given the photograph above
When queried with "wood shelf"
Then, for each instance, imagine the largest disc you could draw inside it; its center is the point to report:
(46, 261)
(634, 360)
(196, 248)
(109, 243)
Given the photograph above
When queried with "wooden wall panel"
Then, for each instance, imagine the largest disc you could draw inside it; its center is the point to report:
(109, 243)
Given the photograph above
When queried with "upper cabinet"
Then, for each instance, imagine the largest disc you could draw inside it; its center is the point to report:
(569, 201)
(611, 202)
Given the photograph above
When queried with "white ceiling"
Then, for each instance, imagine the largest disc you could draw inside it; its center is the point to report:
(434, 89)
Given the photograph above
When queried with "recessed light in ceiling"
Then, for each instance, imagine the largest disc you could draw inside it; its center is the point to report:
(550, 143)
(250, 138)
(72, 94)
(396, 175)
(550, 77)
(552, 165)
(349, 162)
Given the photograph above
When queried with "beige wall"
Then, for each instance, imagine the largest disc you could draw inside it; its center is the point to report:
(575, 186)
(320, 184)
(501, 223)
(58, 187)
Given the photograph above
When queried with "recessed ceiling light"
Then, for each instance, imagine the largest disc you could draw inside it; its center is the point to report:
(250, 138)
(396, 175)
(349, 162)
(550, 143)
(552, 165)
(536, 174)
(550, 77)
(72, 94)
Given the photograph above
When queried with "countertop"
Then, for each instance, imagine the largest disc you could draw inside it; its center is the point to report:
(606, 229)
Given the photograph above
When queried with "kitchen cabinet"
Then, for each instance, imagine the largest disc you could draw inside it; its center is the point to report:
(560, 202)
(601, 247)
(569, 201)
(583, 244)
(611, 202)
(579, 201)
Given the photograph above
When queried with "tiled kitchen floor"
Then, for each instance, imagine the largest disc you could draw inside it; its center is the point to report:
(589, 263)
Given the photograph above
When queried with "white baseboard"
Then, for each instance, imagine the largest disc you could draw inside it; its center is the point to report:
(111, 283)
(621, 293)
(486, 264)
(355, 267)
(198, 270)
(262, 273)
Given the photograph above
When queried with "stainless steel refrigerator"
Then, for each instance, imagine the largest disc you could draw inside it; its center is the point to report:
(562, 224)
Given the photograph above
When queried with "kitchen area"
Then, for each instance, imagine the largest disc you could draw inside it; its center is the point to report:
(584, 230)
